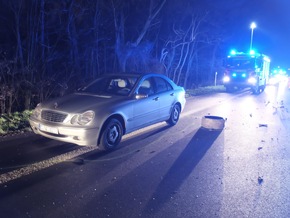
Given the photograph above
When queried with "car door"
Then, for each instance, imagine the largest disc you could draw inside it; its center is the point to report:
(145, 109)
(166, 97)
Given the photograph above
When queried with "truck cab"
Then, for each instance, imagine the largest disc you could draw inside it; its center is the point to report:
(246, 70)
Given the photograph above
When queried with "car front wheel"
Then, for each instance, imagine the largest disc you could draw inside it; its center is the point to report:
(174, 117)
(111, 135)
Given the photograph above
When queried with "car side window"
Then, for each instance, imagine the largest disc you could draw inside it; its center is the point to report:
(162, 85)
(146, 87)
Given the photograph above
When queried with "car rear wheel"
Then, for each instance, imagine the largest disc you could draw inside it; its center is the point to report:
(174, 117)
(111, 135)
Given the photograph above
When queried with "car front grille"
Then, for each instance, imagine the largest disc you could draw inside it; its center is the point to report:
(53, 116)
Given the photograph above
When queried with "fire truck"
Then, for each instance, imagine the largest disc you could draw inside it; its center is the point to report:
(246, 70)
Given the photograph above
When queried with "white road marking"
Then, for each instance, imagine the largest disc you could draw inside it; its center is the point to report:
(29, 169)
(15, 174)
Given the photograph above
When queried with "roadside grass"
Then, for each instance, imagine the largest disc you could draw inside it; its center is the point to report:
(18, 122)
(205, 90)
(14, 123)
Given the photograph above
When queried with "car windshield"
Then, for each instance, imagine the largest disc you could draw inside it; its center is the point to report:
(111, 85)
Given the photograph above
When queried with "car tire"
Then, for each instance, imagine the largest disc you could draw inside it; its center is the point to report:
(111, 135)
(174, 116)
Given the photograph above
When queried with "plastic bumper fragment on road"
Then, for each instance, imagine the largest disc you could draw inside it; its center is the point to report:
(213, 122)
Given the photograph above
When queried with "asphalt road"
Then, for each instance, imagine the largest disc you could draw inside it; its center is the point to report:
(181, 171)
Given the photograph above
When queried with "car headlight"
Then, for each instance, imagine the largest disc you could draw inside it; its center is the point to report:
(83, 119)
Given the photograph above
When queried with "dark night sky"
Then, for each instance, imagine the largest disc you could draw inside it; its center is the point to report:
(272, 17)
(272, 35)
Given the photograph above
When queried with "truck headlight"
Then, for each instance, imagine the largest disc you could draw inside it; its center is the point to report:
(252, 80)
(83, 119)
(226, 79)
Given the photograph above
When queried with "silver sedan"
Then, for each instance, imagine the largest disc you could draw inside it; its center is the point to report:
(109, 107)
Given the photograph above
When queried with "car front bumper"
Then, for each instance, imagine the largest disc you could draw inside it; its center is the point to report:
(79, 135)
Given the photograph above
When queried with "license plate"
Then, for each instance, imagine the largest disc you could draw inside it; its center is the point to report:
(48, 129)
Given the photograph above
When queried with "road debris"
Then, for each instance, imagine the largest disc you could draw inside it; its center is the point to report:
(263, 125)
(260, 180)
(213, 122)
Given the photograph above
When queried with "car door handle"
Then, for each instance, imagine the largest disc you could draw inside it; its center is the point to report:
(172, 94)
(156, 99)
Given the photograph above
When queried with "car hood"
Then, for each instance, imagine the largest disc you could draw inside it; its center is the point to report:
(81, 102)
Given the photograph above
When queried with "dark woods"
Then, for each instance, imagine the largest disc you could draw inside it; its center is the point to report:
(49, 48)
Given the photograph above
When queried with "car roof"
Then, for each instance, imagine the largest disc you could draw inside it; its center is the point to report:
(133, 74)
(138, 75)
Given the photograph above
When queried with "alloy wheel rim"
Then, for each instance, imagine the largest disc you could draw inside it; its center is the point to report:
(113, 134)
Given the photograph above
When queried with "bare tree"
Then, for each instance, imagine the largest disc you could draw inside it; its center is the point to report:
(178, 53)
(134, 49)
(55, 46)
(6, 89)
